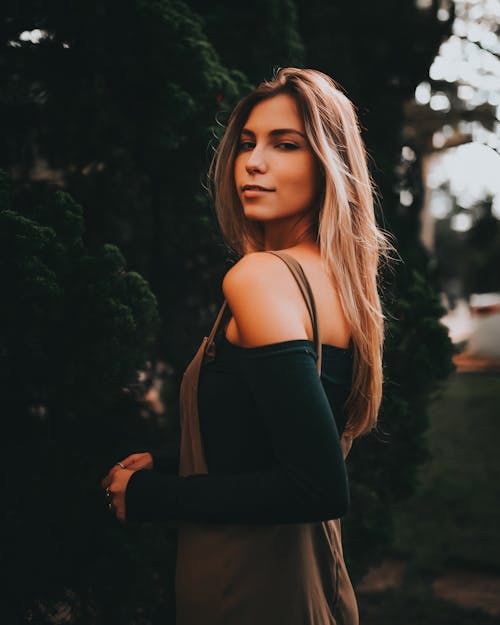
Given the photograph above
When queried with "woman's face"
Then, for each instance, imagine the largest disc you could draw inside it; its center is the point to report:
(274, 153)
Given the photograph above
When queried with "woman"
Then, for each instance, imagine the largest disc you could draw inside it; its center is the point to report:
(294, 376)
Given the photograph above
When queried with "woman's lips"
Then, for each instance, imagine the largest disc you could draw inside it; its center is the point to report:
(248, 193)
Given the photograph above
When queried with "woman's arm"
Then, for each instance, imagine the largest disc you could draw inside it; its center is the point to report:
(166, 459)
(309, 482)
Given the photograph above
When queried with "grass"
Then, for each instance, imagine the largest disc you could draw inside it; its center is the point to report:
(454, 518)
(416, 606)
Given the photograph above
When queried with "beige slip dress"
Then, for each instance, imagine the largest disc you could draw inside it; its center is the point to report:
(286, 574)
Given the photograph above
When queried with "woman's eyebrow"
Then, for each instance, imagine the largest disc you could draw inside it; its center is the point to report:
(272, 133)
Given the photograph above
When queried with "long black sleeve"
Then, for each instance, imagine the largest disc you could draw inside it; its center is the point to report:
(309, 482)
(166, 459)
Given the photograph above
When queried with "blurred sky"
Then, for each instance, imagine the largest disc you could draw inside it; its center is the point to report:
(469, 60)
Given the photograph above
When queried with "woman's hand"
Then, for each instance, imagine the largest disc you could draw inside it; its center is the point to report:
(138, 461)
(116, 484)
(117, 479)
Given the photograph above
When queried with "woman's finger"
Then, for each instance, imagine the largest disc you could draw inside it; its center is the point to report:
(137, 461)
(131, 462)
(130, 459)
(109, 477)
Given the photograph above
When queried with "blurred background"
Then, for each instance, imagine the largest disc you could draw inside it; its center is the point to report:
(111, 263)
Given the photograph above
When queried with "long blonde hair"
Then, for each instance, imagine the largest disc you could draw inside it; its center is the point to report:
(344, 225)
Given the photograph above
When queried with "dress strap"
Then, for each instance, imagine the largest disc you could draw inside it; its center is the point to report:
(301, 278)
(210, 345)
(305, 288)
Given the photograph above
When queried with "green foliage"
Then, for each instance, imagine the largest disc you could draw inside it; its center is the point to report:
(383, 465)
(79, 325)
(257, 38)
(117, 105)
(75, 329)
(468, 261)
(482, 250)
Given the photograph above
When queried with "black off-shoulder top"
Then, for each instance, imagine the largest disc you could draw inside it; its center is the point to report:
(270, 427)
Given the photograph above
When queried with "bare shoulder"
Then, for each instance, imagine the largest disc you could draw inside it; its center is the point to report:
(262, 301)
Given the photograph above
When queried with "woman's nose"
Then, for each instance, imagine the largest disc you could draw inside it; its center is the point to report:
(256, 160)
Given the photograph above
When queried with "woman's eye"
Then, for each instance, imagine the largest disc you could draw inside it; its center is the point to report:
(244, 145)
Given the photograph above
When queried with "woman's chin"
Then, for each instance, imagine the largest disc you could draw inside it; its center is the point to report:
(259, 214)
